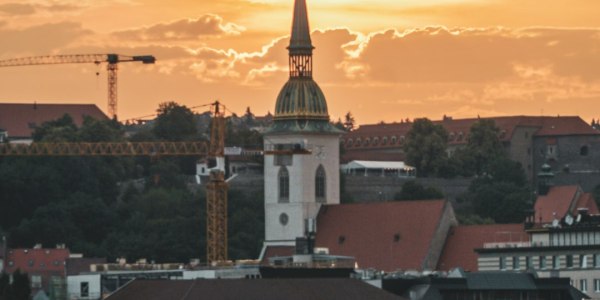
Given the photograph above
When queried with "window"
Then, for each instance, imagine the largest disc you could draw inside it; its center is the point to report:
(569, 261)
(283, 219)
(596, 260)
(284, 185)
(583, 261)
(320, 184)
(393, 141)
(384, 141)
(502, 263)
(375, 141)
(84, 289)
(36, 281)
(542, 262)
(584, 151)
(528, 262)
(555, 262)
(597, 285)
(516, 263)
(583, 285)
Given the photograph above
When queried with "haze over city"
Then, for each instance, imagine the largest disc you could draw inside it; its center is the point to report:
(382, 60)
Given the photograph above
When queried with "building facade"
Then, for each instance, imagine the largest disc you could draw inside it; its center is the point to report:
(567, 143)
(567, 247)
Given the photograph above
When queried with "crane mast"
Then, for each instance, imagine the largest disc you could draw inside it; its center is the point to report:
(112, 61)
(216, 191)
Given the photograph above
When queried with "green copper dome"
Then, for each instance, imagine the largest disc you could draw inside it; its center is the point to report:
(301, 99)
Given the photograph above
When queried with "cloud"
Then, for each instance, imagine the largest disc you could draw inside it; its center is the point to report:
(34, 40)
(184, 29)
(17, 9)
(439, 54)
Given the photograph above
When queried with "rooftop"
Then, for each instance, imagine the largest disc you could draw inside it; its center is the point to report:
(21, 119)
(385, 236)
(290, 289)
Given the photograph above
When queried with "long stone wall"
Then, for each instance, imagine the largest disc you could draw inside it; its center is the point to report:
(376, 188)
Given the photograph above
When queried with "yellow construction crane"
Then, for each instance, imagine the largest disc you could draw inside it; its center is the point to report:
(216, 188)
(112, 61)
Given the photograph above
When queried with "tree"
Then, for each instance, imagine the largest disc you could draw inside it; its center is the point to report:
(59, 130)
(483, 146)
(425, 147)
(412, 190)
(349, 121)
(502, 194)
(174, 122)
(19, 289)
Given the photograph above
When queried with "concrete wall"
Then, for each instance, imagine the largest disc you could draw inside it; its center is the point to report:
(377, 188)
(74, 286)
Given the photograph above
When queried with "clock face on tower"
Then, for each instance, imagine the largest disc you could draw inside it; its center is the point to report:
(283, 219)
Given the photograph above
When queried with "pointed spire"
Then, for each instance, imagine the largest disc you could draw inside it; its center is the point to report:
(300, 42)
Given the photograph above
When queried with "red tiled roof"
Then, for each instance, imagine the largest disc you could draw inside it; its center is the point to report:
(587, 201)
(37, 260)
(462, 240)
(558, 200)
(548, 126)
(386, 236)
(276, 251)
(20, 119)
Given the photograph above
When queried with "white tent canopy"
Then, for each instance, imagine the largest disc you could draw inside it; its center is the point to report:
(382, 167)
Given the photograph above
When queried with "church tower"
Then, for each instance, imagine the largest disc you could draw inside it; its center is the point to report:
(301, 147)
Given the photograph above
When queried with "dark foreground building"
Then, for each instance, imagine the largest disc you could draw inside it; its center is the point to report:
(263, 289)
(484, 285)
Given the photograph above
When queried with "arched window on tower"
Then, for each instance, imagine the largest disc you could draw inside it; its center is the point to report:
(320, 182)
(284, 185)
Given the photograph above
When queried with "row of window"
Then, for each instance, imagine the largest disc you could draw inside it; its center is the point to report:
(583, 285)
(374, 142)
(555, 261)
(393, 140)
(284, 184)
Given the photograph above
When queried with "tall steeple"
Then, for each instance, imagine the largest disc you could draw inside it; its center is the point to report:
(301, 47)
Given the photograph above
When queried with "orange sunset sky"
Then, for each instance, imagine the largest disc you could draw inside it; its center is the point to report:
(383, 60)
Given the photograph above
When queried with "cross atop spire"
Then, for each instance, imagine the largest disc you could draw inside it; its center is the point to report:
(300, 44)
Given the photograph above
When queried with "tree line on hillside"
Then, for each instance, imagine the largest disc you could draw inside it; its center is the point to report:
(499, 191)
(133, 207)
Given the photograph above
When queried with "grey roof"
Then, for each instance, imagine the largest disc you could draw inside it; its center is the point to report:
(301, 98)
(500, 281)
(300, 42)
(290, 289)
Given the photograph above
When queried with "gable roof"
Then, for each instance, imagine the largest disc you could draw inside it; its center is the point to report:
(562, 200)
(21, 119)
(266, 289)
(463, 240)
(385, 236)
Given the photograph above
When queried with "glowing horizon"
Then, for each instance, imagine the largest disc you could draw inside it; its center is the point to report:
(385, 61)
